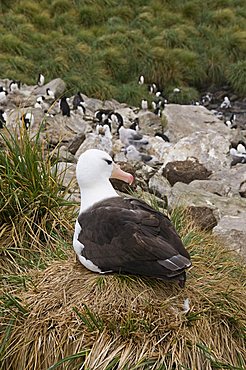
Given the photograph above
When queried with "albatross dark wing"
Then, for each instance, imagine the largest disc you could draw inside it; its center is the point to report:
(126, 235)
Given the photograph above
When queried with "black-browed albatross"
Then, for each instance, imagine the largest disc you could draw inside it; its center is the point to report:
(120, 234)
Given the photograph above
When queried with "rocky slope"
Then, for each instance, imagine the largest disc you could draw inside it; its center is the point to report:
(195, 168)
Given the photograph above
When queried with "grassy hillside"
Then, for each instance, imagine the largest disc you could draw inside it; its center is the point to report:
(101, 46)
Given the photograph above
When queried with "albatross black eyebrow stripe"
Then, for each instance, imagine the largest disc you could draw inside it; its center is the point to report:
(108, 161)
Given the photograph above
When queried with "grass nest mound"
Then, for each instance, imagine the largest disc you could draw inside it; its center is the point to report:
(70, 318)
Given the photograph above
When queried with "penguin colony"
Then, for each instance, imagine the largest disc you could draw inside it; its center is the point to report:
(110, 124)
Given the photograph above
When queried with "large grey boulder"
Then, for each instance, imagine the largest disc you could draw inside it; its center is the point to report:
(159, 186)
(185, 195)
(184, 120)
(93, 141)
(212, 186)
(57, 85)
(64, 129)
(234, 178)
(149, 122)
(209, 148)
(232, 231)
(158, 147)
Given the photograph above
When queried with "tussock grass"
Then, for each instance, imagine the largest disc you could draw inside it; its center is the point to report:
(74, 319)
(237, 76)
(209, 38)
(34, 215)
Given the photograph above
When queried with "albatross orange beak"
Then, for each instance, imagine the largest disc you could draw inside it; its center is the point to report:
(117, 173)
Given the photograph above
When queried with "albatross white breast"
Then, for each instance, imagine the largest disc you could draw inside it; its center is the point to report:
(119, 234)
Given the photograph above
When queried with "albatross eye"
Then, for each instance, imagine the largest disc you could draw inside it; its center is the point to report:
(108, 161)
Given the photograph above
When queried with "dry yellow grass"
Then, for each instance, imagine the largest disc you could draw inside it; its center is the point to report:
(123, 322)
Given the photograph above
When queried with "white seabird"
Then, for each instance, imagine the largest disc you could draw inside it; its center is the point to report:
(132, 154)
(123, 235)
(129, 136)
(226, 103)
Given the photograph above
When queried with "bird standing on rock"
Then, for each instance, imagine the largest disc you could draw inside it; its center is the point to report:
(119, 234)
(131, 137)
(3, 118)
(50, 93)
(27, 120)
(77, 100)
(226, 103)
(64, 107)
(3, 95)
(40, 81)
(132, 154)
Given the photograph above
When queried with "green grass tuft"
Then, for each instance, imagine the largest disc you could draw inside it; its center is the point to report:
(236, 74)
(31, 203)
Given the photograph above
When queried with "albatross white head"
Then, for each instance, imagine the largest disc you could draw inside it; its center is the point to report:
(94, 169)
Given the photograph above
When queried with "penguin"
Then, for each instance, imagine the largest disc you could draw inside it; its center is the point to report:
(144, 104)
(3, 118)
(14, 86)
(115, 120)
(231, 122)
(152, 88)
(135, 124)
(40, 81)
(77, 100)
(64, 107)
(102, 114)
(27, 119)
(141, 80)
(162, 136)
(3, 96)
(81, 108)
(226, 103)
(50, 93)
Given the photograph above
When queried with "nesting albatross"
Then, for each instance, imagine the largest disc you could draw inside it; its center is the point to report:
(119, 234)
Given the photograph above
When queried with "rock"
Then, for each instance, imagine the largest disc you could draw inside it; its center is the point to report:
(159, 186)
(143, 171)
(185, 171)
(184, 195)
(63, 154)
(158, 147)
(67, 175)
(232, 177)
(209, 148)
(149, 122)
(76, 142)
(92, 104)
(212, 186)
(203, 217)
(112, 104)
(184, 120)
(57, 85)
(232, 231)
(64, 129)
(77, 124)
(199, 144)
(93, 141)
